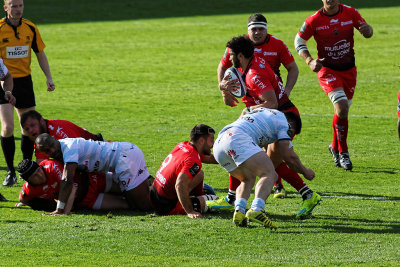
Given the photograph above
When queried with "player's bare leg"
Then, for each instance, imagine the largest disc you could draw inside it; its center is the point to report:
(138, 197)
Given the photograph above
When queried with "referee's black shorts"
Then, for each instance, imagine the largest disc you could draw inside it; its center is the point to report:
(23, 92)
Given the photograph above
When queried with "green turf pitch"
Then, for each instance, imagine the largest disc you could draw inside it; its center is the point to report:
(145, 72)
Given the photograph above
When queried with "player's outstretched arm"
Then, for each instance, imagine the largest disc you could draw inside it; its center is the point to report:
(183, 189)
(293, 161)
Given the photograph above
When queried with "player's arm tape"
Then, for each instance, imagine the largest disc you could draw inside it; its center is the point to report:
(300, 44)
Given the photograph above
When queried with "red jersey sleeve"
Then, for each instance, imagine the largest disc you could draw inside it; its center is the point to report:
(306, 31)
(190, 167)
(225, 59)
(285, 56)
(357, 18)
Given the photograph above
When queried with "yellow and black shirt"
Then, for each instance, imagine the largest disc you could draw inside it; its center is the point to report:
(16, 44)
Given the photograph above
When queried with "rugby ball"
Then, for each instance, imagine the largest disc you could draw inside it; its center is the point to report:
(234, 74)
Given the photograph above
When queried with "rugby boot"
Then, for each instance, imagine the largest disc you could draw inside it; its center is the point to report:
(11, 179)
(261, 218)
(345, 161)
(2, 198)
(308, 206)
(279, 192)
(219, 204)
(335, 155)
(239, 219)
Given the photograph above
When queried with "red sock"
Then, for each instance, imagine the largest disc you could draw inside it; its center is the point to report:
(290, 176)
(335, 138)
(279, 182)
(341, 125)
(233, 183)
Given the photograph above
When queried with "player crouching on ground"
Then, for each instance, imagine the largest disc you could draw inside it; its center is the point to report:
(178, 186)
(238, 150)
(125, 160)
(92, 190)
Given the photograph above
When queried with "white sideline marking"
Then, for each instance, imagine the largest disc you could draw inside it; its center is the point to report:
(351, 115)
(363, 198)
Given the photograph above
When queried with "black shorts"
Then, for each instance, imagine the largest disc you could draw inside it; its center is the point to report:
(23, 92)
(161, 205)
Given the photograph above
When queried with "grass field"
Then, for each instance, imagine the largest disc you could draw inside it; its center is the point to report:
(146, 73)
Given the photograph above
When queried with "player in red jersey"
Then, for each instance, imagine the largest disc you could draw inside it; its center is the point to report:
(333, 29)
(43, 184)
(178, 186)
(275, 53)
(34, 124)
(263, 90)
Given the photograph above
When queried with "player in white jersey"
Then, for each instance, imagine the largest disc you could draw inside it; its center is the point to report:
(238, 150)
(124, 159)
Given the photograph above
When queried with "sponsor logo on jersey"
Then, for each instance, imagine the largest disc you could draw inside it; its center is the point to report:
(17, 51)
(303, 28)
(334, 21)
(226, 52)
(183, 148)
(344, 23)
(194, 169)
(325, 27)
(257, 50)
(261, 66)
(339, 49)
(61, 133)
(258, 83)
(161, 178)
(270, 53)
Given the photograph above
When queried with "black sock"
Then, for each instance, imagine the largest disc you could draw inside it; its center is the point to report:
(8, 146)
(26, 147)
(231, 196)
(305, 192)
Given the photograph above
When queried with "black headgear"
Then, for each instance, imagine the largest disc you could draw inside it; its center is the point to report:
(26, 168)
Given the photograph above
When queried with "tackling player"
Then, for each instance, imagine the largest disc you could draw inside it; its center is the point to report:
(124, 159)
(274, 52)
(333, 29)
(34, 124)
(263, 90)
(19, 37)
(238, 150)
(178, 186)
(43, 184)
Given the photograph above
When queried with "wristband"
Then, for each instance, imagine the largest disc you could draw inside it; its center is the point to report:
(60, 205)
(7, 92)
(308, 60)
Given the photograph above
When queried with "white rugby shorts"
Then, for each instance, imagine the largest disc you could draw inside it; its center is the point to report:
(131, 169)
(233, 147)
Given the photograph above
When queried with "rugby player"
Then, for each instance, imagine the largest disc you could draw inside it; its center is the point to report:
(19, 37)
(34, 124)
(263, 90)
(178, 186)
(125, 160)
(238, 150)
(93, 190)
(333, 29)
(275, 53)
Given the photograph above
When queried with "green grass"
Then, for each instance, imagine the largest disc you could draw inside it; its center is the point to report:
(147, 75)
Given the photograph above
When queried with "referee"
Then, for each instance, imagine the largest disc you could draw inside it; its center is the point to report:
(18, 37)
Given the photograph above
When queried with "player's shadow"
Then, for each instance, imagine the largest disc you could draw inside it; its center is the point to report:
(368, 169)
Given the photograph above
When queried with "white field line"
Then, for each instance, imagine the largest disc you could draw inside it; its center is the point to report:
(351, 115)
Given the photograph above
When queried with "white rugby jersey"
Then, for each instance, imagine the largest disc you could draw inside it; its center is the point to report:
(3, 70)
(263, 125)
(95, 155)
